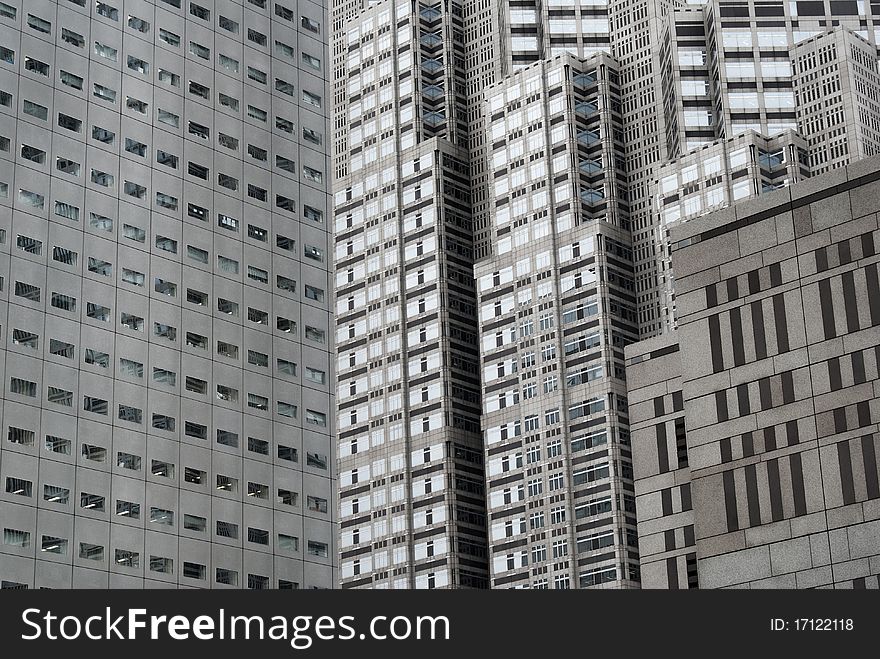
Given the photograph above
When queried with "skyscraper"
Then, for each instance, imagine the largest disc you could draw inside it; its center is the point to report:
(411, 460)
(164, 212)
(837, 88)
(754, 424)
(555, 311)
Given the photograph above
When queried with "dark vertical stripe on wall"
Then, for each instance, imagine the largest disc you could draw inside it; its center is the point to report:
(732, 289)
(662, 450)
(677, 401)
(797, 484)
(775, 490)
(742, 400)
(758, 333)
(669, 539)
(730, 501)
(672, 573)
(736, 337)
(689, 540)
(748, 444)
(869, 458)
(684, 492)
(821, 260)
(850, 304)
(726, 454)
(791, 432)
(859, 584)
(858, 367)
(721, 405)
(867, 244)
(715, 344)
(775, 274)
(864, 411)
(711, 296)
(844, 461)
(754, 503)
(765, 395)
(834, 378)
(781, 323)
(787, 387)
(844, 252)
(839, 415)
(666, 501)
(658, 406)
(770, 438)
(754, 282)
(873, 293)
(826, 305)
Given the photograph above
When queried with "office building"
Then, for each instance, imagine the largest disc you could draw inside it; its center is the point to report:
(754, 425)
(167, 407)
(411, 474)
(556, 309)
(837, 88)
(700, 72)
(712, 177)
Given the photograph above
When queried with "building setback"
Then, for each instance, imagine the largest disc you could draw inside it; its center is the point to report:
(773, 370)
(167, 407)
(837, 88)
(555, 311)
(412, 488)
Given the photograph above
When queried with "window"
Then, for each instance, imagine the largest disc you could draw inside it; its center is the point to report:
(311, 61)
(168, 118)
(317, 548)
(36, 110)
(311, 99)
(258, 536)
(227, 483)
(314, 293)
(53, 545)
(260, 446)
(95, 405)
(56, 494)
(131, 414)
(227, 437)
(68, 79)
(91, 552)
(199, 90)
(18, 486)
(126, 558)
(164, 376)
(257, 113)
(39, 24)
(310, 25)
(96, 357)
(226, 141)
(73, 38)
(59, 396)
(69, 123)
(287, 453)
(161, 564)
(228, 102)
(131, 368)
(100, 266)
(105, 94)
(138, 24)
(97, 311)
(258, 490)
(58, 445)
(128, 509)
(170, 38)
(128, 461)
(227, 530)
(21, 436)
(199, 12)
(313, 174)
(91, 502)
(316, 460)
(285, 164)
(23, 387)
(258, 359)
(162, 516)
(27, 291)
(286, 88)
(107, 52)
(194, 523)
(107, 11)
(286, 409)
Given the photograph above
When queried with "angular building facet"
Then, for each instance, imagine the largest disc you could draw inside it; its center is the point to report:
(410, 453)
(556, 308)
(770, 478)
(712, 177)
(837, 88)
(167, 406)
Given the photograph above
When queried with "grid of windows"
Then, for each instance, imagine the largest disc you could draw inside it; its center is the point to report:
(127, 321)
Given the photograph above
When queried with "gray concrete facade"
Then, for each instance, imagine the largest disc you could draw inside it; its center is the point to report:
(777, 362)
(167, 401)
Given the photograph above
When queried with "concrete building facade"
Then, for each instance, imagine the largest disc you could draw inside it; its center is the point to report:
(412, 497)
(775, 359)
(556, 308)
(167, 406)
(837, 94)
